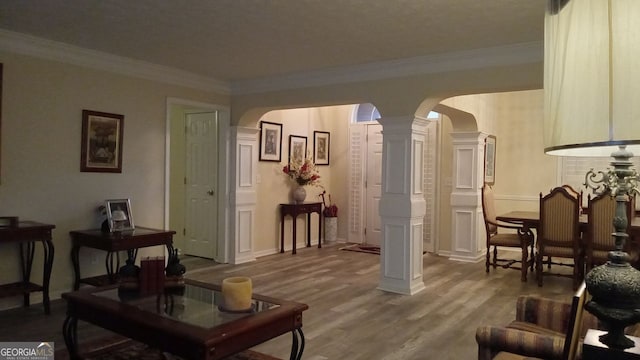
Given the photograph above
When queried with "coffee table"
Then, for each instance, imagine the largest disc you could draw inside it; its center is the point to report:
(188, 322)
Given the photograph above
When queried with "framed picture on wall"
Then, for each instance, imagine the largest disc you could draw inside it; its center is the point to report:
(119, 215)
(270, 141)
(321, 142)
(101, 142)
(297, 149)
(490, 160)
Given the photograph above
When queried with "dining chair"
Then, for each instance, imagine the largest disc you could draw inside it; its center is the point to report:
(522, 238)
(559, 234)
(599, 240)
(573, 192)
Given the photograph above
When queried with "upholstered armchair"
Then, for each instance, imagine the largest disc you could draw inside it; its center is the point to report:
(540, 330)
(522, 238)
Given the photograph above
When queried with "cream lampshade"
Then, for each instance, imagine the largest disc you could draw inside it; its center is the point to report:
(591, 77)
(592, 108)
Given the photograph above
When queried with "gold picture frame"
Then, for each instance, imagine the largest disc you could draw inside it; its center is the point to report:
(102, 135)
(490, 160)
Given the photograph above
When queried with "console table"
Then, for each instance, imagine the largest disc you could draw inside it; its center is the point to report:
(113, 242)
(294, 210)
(26, 233)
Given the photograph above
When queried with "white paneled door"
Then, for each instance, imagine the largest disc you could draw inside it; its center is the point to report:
(373, 190)
(201, 184)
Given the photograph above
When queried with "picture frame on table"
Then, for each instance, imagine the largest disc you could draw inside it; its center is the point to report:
(119, 215)
(102, 135)
(270, 141)
(321, 147)
(490, 160)
(297, 149)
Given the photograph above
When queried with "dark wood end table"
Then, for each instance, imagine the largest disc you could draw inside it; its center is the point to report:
(113, 242)
(294, 210)
(26, 233)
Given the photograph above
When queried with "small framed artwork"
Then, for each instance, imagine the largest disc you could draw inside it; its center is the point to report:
(297, 149)
(321, 142)
(101, 142)
(119, 215)
(270, 141)
(490, 160)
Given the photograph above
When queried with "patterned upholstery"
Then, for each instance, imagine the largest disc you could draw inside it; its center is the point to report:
(539, 331)
(559, 233)
(598, 240)
(522, 238)
(509, 356)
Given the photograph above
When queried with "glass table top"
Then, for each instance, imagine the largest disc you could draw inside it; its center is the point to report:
(193, 305)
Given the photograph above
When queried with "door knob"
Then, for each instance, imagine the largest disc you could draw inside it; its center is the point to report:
(210, 192)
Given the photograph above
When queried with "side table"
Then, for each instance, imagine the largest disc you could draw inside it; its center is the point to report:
(294, 210)
(26, 233)
(130, 241)
(593, 349)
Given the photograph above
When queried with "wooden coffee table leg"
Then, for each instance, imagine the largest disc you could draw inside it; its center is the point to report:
(70, 333)
(296, 352)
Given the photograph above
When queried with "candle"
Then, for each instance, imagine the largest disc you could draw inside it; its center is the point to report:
(236, 292)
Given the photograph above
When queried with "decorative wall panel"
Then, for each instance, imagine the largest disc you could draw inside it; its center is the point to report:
(396, 163)
(395, 251)
(464, 175)
(464, 229)
(418, 166)
(245, 176)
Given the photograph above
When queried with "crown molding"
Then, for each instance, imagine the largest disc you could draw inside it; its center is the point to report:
(455, 61)
(57, 51)
(523, 53)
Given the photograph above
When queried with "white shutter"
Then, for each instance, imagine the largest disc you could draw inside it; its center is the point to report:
(356, 182)
(430, 151)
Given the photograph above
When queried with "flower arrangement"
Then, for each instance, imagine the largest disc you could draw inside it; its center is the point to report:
(304, 173)
(332, 209)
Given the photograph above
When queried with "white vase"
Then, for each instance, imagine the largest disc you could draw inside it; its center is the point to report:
(299, 194)
(330, 228)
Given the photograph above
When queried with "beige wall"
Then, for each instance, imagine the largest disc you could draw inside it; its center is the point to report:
(275, 188)
(41, 180)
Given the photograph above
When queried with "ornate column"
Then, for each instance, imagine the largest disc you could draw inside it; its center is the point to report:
(243, 195)
(467, 222)
(402, 205)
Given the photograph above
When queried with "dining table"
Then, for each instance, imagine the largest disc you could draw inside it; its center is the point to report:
(531, 220)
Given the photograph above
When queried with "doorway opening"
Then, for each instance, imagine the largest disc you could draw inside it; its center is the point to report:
(365, 171)
(196, 177)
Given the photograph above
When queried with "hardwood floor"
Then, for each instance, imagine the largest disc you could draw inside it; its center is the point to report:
(348, 318)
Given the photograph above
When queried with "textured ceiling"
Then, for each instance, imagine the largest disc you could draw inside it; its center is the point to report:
(233, 40)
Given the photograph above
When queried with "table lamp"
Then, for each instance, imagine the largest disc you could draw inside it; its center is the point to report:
(591, 108)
